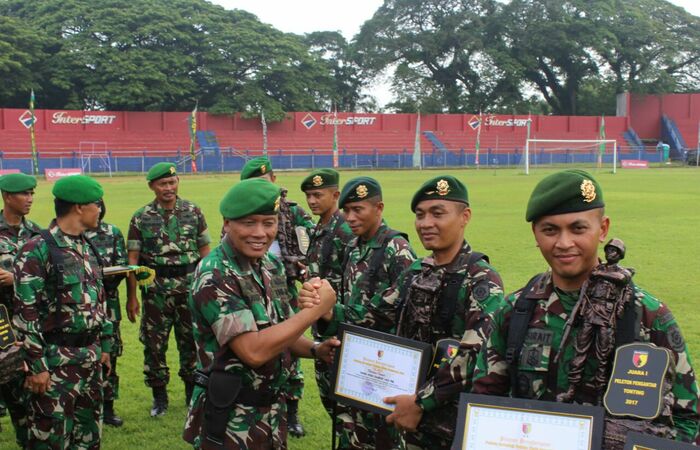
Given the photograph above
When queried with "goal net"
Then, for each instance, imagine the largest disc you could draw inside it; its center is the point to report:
(578, 152)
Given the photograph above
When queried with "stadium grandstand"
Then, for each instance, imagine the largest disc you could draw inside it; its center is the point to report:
(108, 141)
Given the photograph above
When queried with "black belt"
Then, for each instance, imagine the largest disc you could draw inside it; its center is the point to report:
(71, 339)
(246, 396)
(174, 271)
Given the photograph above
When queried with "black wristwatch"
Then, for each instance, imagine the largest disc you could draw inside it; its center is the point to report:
(313, 349)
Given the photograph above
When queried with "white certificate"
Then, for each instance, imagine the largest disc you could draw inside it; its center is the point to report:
(370, 369)
(499, 428)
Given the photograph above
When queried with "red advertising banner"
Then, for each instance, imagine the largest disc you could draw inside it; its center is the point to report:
(55, 174)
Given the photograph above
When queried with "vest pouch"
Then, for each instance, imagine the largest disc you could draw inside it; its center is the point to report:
(222, 392)
(533, 366)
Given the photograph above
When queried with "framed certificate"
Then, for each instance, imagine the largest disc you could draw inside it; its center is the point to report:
(488, 422)
(639, 441)
(370, 365)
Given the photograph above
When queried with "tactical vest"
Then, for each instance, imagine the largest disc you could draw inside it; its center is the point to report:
(154, 229)
(627, 332)
(56, 275)
(287, 238)
(429, 301)
(327, 248)
(376, 262)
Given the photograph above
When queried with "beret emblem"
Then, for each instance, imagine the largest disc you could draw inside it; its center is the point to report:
(361, 191)
(588, 191)
(443, 188)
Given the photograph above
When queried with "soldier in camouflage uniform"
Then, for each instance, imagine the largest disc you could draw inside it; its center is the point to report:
(246, 330)
(169, 235)
(568, 221)
(329, 240)
(15, 230)
(446, 299)
(290, 246)
(377, 256)
(109, 241)
(60, 312)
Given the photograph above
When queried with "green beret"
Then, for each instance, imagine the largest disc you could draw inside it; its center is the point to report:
(161, 170)
(78, 189)
(445, 187)
(17, 182)
(319, 179)
(256, 167)
(564, 192)
(254, 196)
(358, 189)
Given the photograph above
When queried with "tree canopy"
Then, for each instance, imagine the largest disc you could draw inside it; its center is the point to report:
(520, 56)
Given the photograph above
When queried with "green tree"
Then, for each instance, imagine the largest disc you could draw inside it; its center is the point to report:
(440, 51)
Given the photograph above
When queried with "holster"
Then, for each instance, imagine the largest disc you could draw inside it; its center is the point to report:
(222, 391)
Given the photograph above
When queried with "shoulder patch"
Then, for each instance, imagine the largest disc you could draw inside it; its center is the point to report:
(675, 338)
(481, 291)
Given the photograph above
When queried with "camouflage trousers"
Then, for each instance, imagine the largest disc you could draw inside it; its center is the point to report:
(323, 381)
(111, 380)
(248, 428)
(69, 414)
(295, 383)
(359, 430)
(15, 397)
(161, 312)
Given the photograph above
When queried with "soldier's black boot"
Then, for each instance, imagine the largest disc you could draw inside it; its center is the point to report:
(189, 387)
(160, 401)
(110, 418)
(293, 425)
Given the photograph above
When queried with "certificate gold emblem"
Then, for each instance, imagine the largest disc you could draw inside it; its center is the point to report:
(588, 191)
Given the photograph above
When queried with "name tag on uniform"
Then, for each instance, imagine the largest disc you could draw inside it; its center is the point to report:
(636, 386)
(7, 335)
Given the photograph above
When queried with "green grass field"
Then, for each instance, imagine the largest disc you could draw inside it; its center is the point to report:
(656, 212)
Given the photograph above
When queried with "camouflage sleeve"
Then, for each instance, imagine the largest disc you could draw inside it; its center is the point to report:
(120, 256)
(106, 333)
(220, 305)
(399, 256)
(491, 375)
(203, 237)
(302, 218)
(665, 332)
(30, 293)
(134, 237)
(485, 297)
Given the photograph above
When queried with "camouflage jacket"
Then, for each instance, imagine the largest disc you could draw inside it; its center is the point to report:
(109, 241)
(168, 237)
(11, 240)
(412, 303)
(292, 217)
(355, 299)
(82, 302)
(327, 250)
(230, 297)
(658, 326)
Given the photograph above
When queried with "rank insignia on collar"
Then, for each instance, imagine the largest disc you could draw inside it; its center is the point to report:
(317, 180)
(443, 188)
(588, 191)
(361, 191)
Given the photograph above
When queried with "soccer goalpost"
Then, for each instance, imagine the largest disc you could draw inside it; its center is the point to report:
(569, 151)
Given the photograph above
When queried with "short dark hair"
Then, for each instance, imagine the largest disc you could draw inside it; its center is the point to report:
(62, 207)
